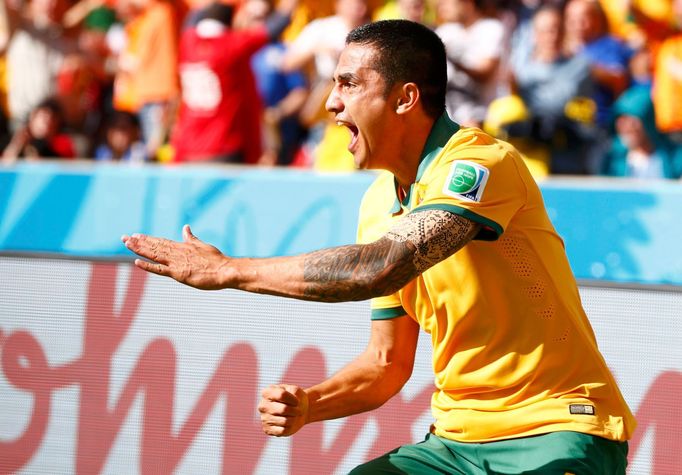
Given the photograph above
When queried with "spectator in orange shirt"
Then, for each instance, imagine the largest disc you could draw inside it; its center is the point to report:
(149, 65)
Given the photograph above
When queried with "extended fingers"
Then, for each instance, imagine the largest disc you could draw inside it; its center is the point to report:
(152, 248)
(153, 267)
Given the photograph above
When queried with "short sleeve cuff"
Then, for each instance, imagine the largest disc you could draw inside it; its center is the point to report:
(491, 231)
(387, 313)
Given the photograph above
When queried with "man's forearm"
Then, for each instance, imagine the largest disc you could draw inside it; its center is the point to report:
(363, 385)
(339, 274)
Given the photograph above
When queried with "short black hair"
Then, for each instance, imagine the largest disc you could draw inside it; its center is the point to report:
(407, 52)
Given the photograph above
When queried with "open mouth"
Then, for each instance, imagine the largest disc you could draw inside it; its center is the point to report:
(353, 135)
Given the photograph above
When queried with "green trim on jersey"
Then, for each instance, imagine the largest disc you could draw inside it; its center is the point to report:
(491, 230)
(387, 313)
(441, 132)
(397, 205)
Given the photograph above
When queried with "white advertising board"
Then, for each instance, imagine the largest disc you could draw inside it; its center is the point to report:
(105, 369)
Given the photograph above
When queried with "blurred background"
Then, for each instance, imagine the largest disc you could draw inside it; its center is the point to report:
(122, 116)
(582, 87)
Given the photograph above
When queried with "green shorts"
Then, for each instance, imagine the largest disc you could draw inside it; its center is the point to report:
(557, 453)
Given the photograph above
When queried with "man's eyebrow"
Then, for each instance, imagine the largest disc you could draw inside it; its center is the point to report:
(346, 77)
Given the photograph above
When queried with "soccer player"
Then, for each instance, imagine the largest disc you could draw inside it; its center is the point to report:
(453, 238)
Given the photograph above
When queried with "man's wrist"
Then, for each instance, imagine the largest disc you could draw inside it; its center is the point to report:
(228, 275)
(311, 397)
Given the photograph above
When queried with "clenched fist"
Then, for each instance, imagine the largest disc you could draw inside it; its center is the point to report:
(283, 409)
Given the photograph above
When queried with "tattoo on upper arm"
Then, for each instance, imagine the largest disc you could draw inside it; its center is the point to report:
(358, 272)
(435, 234)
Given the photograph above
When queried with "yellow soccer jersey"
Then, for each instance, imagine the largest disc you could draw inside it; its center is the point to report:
(513, 352)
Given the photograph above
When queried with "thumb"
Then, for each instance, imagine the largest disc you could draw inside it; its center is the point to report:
(187, 235)
(296, 391)
(290, 388)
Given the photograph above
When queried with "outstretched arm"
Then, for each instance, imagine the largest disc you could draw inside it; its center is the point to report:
(338, 274)
(365, 384)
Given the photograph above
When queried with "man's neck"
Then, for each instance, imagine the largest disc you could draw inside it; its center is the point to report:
(410, 153)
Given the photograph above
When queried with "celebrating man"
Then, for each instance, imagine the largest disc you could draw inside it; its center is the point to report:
(453, 238)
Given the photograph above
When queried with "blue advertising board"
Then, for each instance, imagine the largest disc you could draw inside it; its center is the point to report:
(614, 230)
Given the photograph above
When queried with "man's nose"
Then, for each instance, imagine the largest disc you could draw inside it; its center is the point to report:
(334, 103)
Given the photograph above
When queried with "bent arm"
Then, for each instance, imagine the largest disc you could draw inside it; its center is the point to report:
(365, 384)
(373, 378)
(356, 272)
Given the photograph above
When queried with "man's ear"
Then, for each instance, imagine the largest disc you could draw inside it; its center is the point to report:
(408, 98)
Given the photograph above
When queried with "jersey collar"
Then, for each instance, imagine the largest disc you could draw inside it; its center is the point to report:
(440, 134)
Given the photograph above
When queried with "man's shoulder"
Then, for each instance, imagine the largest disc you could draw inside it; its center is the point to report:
(470, 144)
(467, 137)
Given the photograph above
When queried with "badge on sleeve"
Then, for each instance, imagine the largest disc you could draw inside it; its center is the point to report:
(466, 180)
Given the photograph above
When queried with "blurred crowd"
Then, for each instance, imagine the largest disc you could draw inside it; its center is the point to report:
(581, 87)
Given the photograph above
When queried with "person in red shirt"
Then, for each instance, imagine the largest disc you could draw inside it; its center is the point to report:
(221, 110)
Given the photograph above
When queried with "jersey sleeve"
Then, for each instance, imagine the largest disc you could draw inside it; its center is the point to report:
(387, 307)
(477, 178)
(373, 222)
